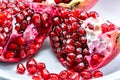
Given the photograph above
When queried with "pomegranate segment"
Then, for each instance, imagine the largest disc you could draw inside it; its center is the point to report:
(84, 42)
(23, 28)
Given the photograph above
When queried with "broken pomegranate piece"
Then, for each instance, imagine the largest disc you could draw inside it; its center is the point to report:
(23, 28)
(84, 42)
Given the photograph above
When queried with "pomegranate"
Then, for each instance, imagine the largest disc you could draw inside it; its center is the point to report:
(84, 41)
(23, 28)
(70, 4)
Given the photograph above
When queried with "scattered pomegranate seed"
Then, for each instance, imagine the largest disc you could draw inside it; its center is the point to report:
(31, 66)
(20, 68)
(41, 66)
(86, 74)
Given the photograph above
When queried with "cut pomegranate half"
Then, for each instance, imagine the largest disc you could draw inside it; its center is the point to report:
(23, 28)
(84, 41)
(70, 4)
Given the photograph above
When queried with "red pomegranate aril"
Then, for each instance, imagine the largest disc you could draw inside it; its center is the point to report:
(45, 74)
(30, 12)
(58, 1)
(75, 26)
(69, 48)
(85, 51)
(80, 66)
(70, 42)
(71, 56)
(31, 66)
(44, 17)
(16, 10)
(93, 14)
(17, 26)
(46, 25)
(12, 46)
(37, 76)
(19, 18)
(63, 74)
(79, 58)
(83, 39)
(38, 0)
(66, 1)
(22, 54)
(23, 25)
(9, 54)
(20, 40)
(97, 74)
(86, 74)
(83, 15)
(95, 57)
(74, 76)
(56, 20)
(21, 5)
(112, 27)
(20, 68)
(104, 27)
(41, 66)
(36, 20)
(53, 76)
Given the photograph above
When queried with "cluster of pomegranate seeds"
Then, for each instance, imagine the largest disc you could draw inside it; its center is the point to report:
(38, 71)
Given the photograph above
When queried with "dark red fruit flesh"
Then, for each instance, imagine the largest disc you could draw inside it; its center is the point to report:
(23, 28)
(85, 41)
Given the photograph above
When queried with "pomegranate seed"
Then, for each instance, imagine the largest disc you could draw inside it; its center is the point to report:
(95, 57)
(93, 14)
(80, 66)
(66, 1)
(20, 40)
(97, 74)
(45, 74)
(86, 74)
(74, 76)
(58, 1)
(112, 27)
(23, 25)
(41, 66)
(78, 58)
(30, 12)
(12, 46)
(83, 15)
(38, 1)
(9, 54)
(69, 48)
(53, 76)
(37, 77)
(63, 74)
(44, 17)
(20, 68)
(31, 66)
(104, 27)
(19, 18)
(36, 20)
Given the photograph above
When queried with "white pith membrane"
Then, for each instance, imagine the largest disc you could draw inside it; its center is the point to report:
(106, 44)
